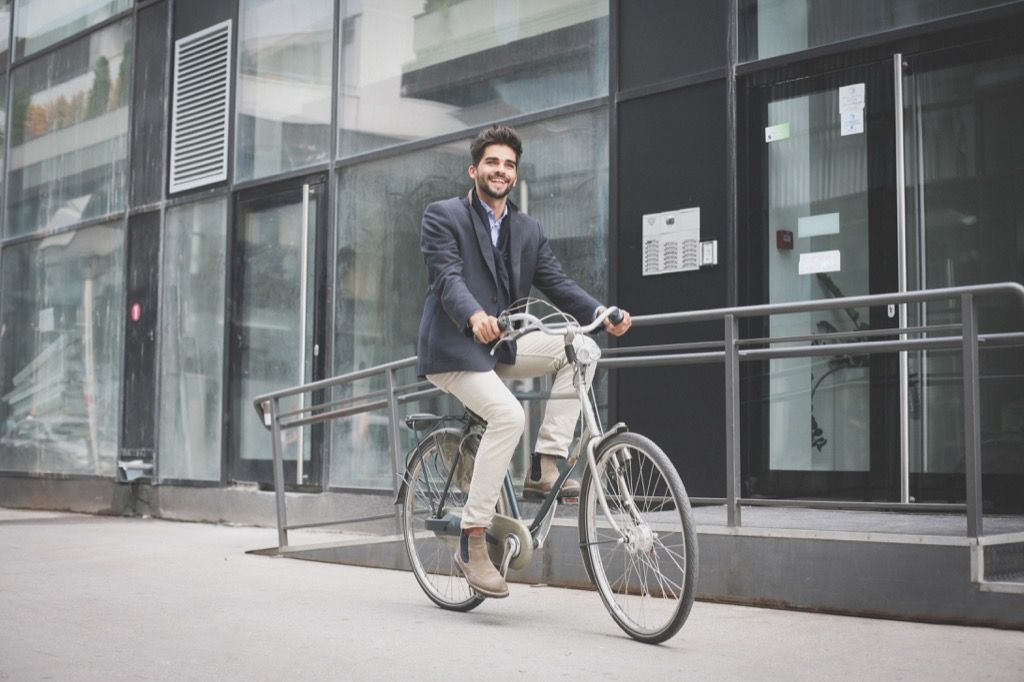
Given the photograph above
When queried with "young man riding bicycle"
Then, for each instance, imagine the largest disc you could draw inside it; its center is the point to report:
(483, 254)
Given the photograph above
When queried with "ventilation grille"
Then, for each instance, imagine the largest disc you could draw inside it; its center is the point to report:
(199, 113)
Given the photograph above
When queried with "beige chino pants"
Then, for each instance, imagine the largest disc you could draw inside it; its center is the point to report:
(487, 395)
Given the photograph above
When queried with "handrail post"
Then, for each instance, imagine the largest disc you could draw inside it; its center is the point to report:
(282, 515)
(972, 411)
(732, 423)
(393, 434)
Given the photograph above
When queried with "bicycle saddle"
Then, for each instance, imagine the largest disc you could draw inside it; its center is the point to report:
(422, 421)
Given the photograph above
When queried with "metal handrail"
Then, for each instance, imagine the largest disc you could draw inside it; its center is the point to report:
(733, 349)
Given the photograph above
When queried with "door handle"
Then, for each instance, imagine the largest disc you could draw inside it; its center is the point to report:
(303, 295)
(901, 266)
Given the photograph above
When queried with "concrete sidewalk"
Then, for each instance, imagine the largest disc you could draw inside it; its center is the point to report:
(90, 598)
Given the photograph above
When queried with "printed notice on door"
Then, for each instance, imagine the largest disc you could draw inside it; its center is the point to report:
(851, 109)
(820, 261)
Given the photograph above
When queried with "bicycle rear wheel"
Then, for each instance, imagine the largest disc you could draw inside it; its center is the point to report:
(646, 575)
(432, 553)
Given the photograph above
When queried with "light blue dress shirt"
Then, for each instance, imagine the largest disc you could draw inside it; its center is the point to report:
(495, 221)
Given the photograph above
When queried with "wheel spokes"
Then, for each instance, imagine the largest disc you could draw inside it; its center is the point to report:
(647, 582)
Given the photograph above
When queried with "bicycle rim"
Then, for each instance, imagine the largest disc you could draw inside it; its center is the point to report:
(646, 575)
(432, 556)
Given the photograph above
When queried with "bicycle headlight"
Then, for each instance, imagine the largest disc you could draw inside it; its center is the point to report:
(587, 352)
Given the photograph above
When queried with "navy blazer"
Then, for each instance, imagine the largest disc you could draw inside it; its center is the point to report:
(461, 278)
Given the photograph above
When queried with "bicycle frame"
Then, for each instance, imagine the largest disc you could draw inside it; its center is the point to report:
(591, 435)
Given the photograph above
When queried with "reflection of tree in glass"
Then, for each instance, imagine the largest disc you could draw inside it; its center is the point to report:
(438, 5)
(30, 120)
(119, 96)
(20, 101)
(836, 362)
(100, 93)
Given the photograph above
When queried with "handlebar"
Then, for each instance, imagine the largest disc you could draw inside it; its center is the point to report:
(532, 322)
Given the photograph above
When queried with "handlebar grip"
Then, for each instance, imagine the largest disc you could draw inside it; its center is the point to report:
(503, 322)
(616, 316)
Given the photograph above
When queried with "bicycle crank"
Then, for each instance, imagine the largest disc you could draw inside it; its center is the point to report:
(503, 553)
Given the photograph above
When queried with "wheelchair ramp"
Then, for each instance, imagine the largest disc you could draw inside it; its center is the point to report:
(907, 566)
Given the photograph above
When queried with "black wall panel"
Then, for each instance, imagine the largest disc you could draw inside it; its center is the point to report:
(138, 422)
(150, 105)
(195, 15)
(661, 40)
(672, 154)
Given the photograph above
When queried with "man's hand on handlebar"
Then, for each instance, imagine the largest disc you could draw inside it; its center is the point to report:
(620, 327)
(485, 327)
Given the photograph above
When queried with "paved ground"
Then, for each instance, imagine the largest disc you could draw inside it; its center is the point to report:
(100, 598)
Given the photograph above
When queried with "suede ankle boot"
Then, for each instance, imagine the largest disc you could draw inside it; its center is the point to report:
(541, 479)
(476, 566)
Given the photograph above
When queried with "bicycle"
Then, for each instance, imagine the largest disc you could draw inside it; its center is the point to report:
(640, 552)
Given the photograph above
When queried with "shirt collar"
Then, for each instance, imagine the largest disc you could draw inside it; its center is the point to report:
(489, 211)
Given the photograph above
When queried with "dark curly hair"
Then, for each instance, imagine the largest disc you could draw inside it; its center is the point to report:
(496, 134)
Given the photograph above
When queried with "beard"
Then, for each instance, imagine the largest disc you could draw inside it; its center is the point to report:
(482, 188)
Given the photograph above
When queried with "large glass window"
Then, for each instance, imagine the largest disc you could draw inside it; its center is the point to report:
(192, 341)
(60, 352)
(3, 129)
(819, 411)
(69, 132)
(381, 280)
(965, 173)
(5, 30)
(417, 69)
(285, 53)
(45, 22)
(772, 27)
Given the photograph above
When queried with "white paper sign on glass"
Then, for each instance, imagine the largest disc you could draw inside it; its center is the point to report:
(820, 261)
(776, 132)
(851, 97)
(817, 225)
(851, 109)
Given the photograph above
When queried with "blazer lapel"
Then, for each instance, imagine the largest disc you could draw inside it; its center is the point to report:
(483, 237)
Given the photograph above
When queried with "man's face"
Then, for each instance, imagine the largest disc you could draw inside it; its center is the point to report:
(495, 175)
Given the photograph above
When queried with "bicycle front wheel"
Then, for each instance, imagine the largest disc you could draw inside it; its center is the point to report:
(646, 572)
(432, 553)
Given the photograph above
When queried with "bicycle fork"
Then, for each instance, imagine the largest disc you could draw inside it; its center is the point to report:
(593, 428)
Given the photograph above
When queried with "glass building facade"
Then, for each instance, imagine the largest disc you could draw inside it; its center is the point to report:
(138, 321)
(347, 118)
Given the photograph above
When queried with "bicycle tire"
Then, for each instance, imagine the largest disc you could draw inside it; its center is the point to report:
(432, 556)
(646, 576)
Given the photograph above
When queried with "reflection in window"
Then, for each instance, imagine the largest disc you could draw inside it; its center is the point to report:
(69, 131)
(60, 352)
(773, 27)
(283, 100)
(3, 127)
(438, 66)
(819, 408)
(563, 183)
(192, 341)
(45, 22)
(5, 29)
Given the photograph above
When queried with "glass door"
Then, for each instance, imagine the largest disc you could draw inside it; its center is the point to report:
(822, 225)
(276, 323)
(964, 150)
